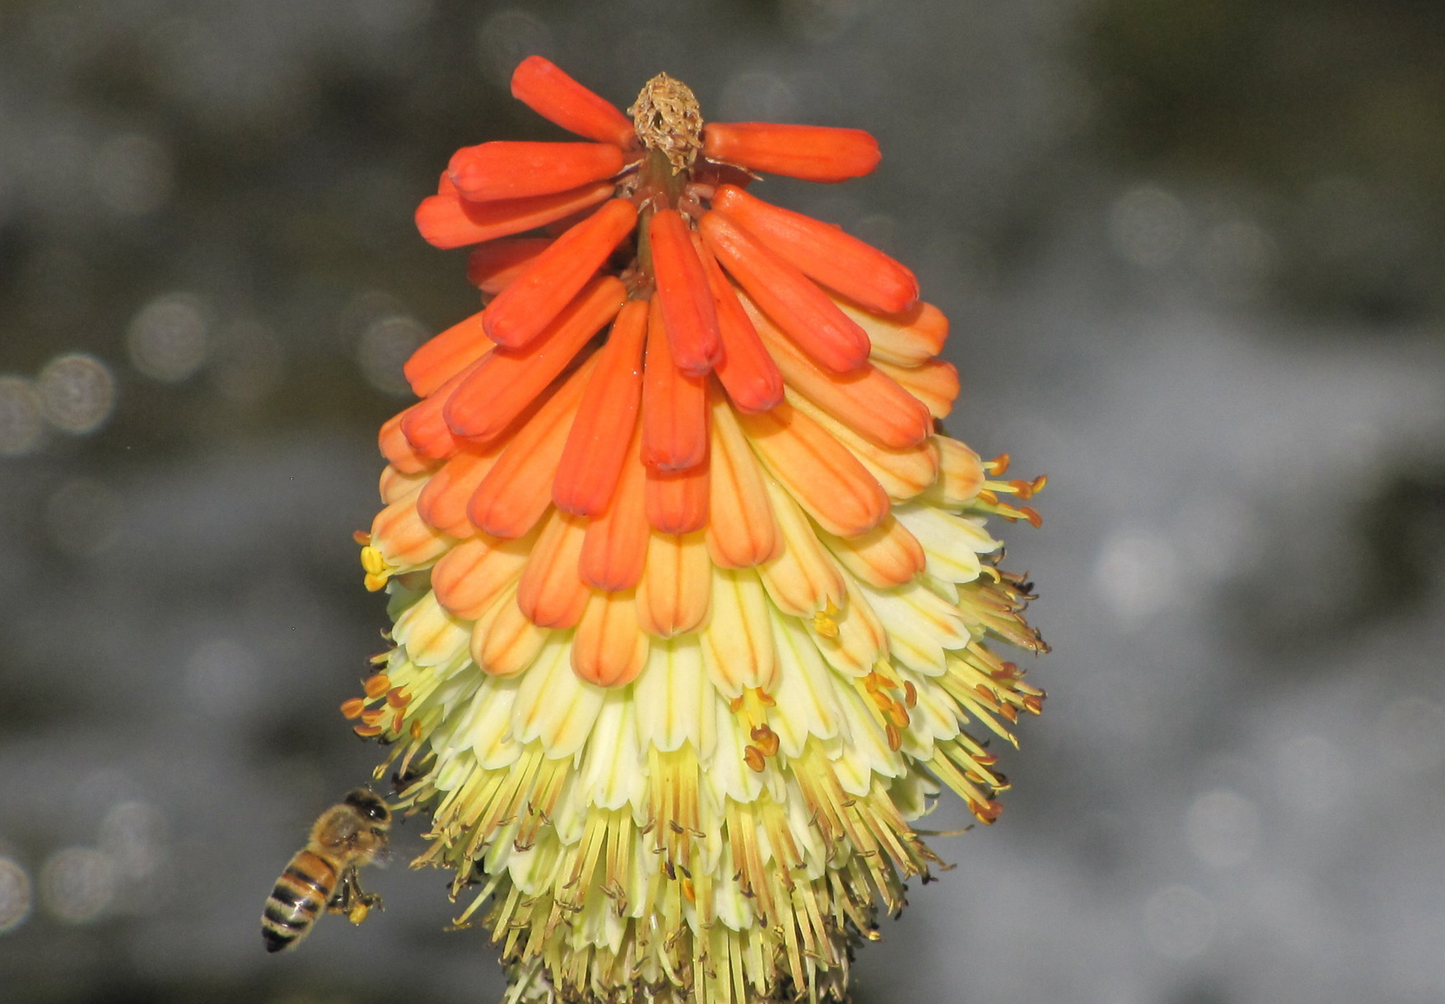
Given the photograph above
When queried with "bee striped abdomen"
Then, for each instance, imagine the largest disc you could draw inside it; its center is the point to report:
(300, 895)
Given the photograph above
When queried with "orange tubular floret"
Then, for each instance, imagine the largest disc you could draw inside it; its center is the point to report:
(609, 648)
(935, 383)
(907, 339)
(746, 370)
(597, 444)
(470, 576)
(443, 502)
(677, 501)
(687, 303)
(674, 405)
(616, 545)
(518, 170)
(550, 592)
(508, 380)
(741, 529)
(813, 153)
(884, 557)
(676, 590)
(523, 309)
(397, 449)
(443, 356)
(869, 401)
(786, 295)
(824, 253)
(555, 96)
(518, 489)
(825, 478)
(494, 265)
(423, 424)
(446, 220)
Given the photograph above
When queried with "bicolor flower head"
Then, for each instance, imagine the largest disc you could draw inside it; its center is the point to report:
(693, 599)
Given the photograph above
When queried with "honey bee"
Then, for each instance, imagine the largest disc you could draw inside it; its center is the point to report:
(323, 873)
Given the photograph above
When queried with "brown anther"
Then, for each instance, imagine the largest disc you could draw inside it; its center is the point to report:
(1034, 705)
(353, 707)
(416, 729)
(376, 684)
(898, 715)
(373, 715)
(894, 736)
(688, 891)
(736, 704)
(987, 496)
(753, 757)
(910, 694)
(766, 739)
(1038, 483)
(1010, 712)
(1035, 520)
(766, 698)
(361, 537)
(397, 697)
(367, 731)
(668, 118)
(881, 699)
(1023, 489)
(397, 720)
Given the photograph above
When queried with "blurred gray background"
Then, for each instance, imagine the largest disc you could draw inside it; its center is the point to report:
(1193, 256)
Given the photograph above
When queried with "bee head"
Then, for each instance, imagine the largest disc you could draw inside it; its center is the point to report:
(369, 804)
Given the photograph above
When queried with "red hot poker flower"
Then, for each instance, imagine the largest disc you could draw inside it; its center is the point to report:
(693, 598)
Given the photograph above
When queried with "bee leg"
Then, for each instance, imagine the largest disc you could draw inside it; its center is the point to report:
(346, 895)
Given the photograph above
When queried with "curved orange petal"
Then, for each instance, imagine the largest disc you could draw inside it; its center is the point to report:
(746, 370)
(902, 474)
(786, 295)
(866, 400)
(960, 475)
(508, 169)
(397, 449)
(504, 641)
(597, 444)
(818, 471)
(446, 220)
(616, 546)
(404, 539)
(395, 485)
(445, 355)
(813, 153)
(886, 556)
(676, 588)
(508, 380)
(492, 266)
(555, 96)
(741, 530)
(677, 501)
(609, 648)
(934, 382)
(674, 405)
(443, 502)
(423, 423)
(823, 253)
(682, 290)
(518, 489)
(522, 310)
(470, 577)
(550, 592)
(909, 338)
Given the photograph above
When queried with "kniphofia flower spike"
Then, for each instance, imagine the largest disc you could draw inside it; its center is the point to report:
(693, 598)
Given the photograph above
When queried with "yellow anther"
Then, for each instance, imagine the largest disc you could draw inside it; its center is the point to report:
(372, 561)
(825, 625)
(375, 583)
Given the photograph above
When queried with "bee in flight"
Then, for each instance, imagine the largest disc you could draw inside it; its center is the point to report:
(323, 873)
